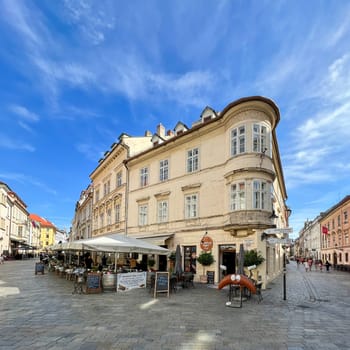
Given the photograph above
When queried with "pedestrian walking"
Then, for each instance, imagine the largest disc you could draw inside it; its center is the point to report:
(306, 265)
(320, 264)
(328, 264)
(310, 263)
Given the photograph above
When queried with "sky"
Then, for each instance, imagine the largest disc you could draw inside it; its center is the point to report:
(75, 74)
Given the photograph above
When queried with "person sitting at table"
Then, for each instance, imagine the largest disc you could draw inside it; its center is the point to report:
(88, 262)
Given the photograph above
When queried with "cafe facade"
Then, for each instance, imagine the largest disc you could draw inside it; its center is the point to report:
(219, 181)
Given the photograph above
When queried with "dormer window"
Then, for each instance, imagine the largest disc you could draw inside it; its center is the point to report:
(156, 140)
(207, 114)
(180, 128)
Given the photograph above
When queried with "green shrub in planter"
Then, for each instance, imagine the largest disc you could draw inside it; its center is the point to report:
(252, 257)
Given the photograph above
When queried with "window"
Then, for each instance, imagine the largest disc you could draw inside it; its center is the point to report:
(144, 177)
(109, 216)
(117, 213)
(238, 140)
(163, 170)
(238, 196)
(143, 215)
(102, 220)
(192, 160)
(260, 195)
(191, 206)
(119, 179)
(345, 217)
(259, 138)
(338, 220)
(97, 196)
(162, 211)
(106, 188)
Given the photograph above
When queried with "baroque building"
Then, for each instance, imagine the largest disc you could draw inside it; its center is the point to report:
(221, 178)
(334, 228)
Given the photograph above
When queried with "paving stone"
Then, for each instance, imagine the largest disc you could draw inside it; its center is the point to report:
(44, 314)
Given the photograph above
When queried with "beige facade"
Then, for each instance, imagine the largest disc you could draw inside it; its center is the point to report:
(222, 178)
(82, 222)
(110, 182)
(14, 225)
(4, 219)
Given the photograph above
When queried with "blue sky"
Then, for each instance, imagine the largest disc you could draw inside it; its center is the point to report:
(76, 74)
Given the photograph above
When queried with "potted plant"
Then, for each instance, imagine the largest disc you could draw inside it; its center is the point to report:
(205, 259)
(252, 257)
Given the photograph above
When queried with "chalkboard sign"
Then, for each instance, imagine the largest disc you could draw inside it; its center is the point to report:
(161, 283)
(210, 277)
(39, 267)
(93, 283)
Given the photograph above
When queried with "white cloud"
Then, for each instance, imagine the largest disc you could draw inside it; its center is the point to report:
(14, 144)
(92, 19)
(24, 113)
(27, 179)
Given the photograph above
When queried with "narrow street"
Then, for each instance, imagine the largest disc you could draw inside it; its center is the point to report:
(40, 312)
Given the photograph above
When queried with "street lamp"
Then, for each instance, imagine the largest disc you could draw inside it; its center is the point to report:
(288, 213)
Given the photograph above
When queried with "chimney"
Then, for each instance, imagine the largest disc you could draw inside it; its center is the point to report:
(148, 133)
(161, 130)
(169, 133)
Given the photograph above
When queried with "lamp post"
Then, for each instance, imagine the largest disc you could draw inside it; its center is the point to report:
(288, 213)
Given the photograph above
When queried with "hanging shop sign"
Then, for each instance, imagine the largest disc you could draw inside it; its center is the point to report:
(206, 243)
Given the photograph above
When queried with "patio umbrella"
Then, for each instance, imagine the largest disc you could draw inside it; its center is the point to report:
(178, 261)
(240, 269)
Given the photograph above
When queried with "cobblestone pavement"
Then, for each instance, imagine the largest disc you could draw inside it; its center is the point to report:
(40, 312)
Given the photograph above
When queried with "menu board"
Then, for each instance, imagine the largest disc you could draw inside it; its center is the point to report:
(93, 283)
(210, 277)
(39, 267)
(161, 283)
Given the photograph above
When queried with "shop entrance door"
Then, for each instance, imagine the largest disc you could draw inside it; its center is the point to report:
(228, 259)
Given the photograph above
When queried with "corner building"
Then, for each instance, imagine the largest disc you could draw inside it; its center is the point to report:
(220, 178)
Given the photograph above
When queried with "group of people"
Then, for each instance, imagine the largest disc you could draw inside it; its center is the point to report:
(308, 263)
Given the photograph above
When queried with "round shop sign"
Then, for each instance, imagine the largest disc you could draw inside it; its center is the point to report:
(206, 243)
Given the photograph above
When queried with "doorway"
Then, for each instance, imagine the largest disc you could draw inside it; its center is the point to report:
(228, 259)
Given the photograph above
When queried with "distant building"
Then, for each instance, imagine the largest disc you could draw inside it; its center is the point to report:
(13, 222)
(47, 231)
(82, 221)
(334, 231)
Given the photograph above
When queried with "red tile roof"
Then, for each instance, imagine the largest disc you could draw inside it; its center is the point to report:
(42, 221)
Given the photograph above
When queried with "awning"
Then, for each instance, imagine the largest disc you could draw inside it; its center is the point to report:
(157, 240)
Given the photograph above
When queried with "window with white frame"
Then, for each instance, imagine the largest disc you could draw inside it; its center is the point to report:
(106, 188)
(144, 177)
(259, 138)
(238, 140)
(192, 160)
(163, 170)
(162, 211)
(261, 196)
(119, 179)
(117, 213)
(143, 214)
(238, 196)
(191, 206)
